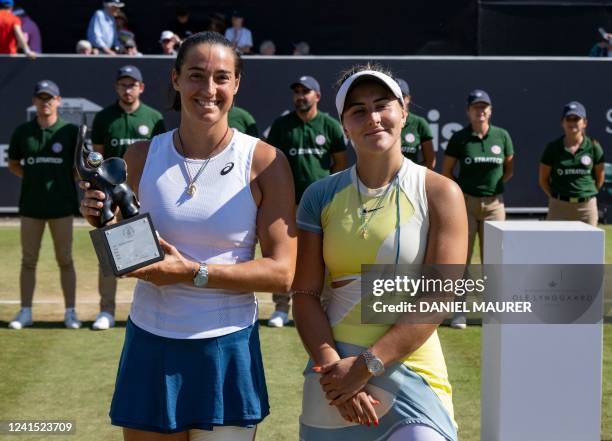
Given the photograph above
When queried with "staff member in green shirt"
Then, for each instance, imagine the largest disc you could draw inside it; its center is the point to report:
(241, 120)
(416, 134)
(41, 153)
(314, 144)
(484, 153)
(115, 128)
(572, 170)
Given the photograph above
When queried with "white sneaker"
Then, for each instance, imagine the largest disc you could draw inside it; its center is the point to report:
(104, 320)
(22, 319)
(459, 322)
(71, 320)
(278, 319)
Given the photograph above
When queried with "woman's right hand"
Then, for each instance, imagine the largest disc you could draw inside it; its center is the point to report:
(360, 409)
(91, 204)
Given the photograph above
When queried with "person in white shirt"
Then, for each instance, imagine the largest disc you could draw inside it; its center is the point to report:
(241, 37)
(102, 30)
(214, 193)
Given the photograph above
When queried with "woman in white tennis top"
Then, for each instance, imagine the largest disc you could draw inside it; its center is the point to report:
(191, 365)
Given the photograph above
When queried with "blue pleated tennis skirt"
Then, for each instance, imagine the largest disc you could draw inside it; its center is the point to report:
(171, 385)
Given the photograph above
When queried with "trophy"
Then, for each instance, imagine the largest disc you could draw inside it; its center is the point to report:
(130, 243)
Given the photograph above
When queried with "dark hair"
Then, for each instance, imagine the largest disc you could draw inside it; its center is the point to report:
(206, 37)
(345, 74)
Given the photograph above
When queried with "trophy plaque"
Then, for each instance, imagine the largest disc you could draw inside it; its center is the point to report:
(130, 243)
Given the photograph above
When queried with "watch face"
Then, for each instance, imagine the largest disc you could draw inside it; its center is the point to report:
(201, 277)
(375, 366)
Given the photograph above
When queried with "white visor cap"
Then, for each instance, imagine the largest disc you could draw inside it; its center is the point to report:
(376, 76)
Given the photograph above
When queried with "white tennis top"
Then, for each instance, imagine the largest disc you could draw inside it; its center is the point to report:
(215, 225)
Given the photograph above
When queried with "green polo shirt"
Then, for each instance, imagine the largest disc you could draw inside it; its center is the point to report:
(116, 129)
(415, 132)
(48, 186)
(571, 175)
(481, 161)
(308, 146)
(242, 121)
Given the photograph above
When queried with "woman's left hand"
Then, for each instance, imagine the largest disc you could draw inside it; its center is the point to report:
(173, 269)
(343, 379)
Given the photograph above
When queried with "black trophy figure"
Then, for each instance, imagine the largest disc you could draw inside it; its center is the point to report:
(108, 176)
(130, 243)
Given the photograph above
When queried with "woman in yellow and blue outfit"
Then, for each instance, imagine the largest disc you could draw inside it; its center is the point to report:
(385, 382)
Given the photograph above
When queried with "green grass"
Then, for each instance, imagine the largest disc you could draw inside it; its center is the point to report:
(51, 373)
(47, 372)
(54, 373)
(47, 274)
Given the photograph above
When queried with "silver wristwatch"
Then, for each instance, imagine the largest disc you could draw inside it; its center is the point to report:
(373, 363)
(200, 279)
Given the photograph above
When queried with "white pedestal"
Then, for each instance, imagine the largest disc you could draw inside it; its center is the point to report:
(541, 382)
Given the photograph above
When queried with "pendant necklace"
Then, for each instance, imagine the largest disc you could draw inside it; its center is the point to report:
(365, 220)
(191, 187)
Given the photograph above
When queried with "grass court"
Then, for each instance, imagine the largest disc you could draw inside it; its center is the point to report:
(51, 373)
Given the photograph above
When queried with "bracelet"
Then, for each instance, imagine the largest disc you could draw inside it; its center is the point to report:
(310, 292)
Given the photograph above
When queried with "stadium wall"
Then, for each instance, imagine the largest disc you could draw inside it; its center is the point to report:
(528, 95)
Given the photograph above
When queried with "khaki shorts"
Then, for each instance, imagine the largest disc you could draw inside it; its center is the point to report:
(573, 211)
(480, 209)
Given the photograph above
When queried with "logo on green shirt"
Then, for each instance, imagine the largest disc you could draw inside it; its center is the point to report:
(125, 141)
(408, 149)
(302, 151)
(573, 171)
(44, 160)
(487, 160)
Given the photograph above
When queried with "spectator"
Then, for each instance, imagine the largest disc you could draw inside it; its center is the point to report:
(102, 31)
(30, 29)
(604, 47)
(243, 121)
(114, 128)
(84, 47)
(130, 48)
(183, 26)
(416, 134)
(240, 36)
(301, 48)
(314, 144)
(41, 153)
(11, 34)
(217, 23)
(123, 31)
(267, 48)
(169, 42)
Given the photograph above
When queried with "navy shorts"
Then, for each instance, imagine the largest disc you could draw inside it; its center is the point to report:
(171, 385)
